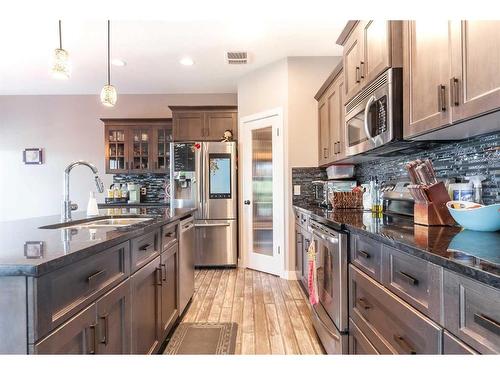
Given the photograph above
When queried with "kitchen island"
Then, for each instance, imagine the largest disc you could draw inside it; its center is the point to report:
(411, 289)
(86, 289)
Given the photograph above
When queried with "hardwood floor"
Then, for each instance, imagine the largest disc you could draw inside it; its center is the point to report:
(273, 314)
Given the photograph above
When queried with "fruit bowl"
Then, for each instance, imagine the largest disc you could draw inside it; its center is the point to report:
(475, 216)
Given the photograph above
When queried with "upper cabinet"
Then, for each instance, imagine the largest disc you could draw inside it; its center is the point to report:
(203, 123)
(137, 145)
(370, 47)
(331, 123)
(451, 72)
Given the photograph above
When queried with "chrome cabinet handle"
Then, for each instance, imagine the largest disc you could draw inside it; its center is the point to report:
(158, 283)
(364, 254)
(441, 98)
(105, 320)
(408, 278)
(404, 344)
(164, 276)
(145, 247)
(93, 349)
(325, 152)
(362, 69)
(362, 302)
(454, 91)
(93, 277)
(486, 322)
(358, 80)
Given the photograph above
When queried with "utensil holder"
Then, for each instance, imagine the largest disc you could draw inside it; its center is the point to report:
(434, 212)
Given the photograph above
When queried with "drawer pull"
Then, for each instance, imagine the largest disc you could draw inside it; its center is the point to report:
(105, 320)
(170, 234)
(490, 324)
(364, 254)
(362, 302)
(145, 247)
(158, 283)
(411, 280)
(404, 345)
(94, 276)
(163, 275)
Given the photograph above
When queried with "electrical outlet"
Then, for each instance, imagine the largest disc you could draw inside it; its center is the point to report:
(296, 189)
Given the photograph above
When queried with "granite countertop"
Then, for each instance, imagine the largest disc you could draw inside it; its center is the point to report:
(67, 245)
(140, 204)
(470, 253)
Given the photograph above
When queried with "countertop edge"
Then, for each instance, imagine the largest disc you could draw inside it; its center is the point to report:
(479, 275)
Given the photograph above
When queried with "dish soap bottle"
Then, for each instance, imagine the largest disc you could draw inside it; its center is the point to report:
(92, 209)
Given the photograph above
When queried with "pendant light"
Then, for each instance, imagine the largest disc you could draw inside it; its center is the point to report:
(108, 92)
(60, 65)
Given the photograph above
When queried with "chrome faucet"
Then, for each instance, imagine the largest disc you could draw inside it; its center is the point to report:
(67, 206)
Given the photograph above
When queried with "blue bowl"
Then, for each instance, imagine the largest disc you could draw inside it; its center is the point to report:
(482, 218)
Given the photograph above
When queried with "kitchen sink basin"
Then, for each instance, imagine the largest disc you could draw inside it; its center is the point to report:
(100, 222)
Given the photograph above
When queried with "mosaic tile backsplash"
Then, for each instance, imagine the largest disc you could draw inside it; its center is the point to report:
(475, 156)
(154, 184)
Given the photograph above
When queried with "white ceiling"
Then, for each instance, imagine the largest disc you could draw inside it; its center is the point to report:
(152, 50)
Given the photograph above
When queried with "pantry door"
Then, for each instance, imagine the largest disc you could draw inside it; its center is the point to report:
(263, 194)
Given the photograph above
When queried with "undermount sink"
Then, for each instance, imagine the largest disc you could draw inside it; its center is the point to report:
(100, 223)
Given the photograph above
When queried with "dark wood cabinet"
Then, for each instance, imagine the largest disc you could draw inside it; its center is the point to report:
(203, 123)
(137, 145)
(113, 317)
(169, 289)
(146, 313)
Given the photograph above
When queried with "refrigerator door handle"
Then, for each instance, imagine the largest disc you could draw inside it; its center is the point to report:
(199, 181)
(206, 186)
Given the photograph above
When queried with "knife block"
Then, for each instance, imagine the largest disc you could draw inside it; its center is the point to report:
(433, 212)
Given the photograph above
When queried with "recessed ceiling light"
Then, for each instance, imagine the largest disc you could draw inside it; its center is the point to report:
(187, 61)
(118, 62)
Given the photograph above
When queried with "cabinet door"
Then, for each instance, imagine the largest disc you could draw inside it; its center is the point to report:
(140, 149)
(341, 148)
(376, 47)
(299, 240)
(162, 137)
(189, 126)
(333, 121)
(169, 295)
(218, 122)
(475, 83)
(77, 336)
(146, 315)
(324, 132)
(426, 76)
(116, 149)
(113, 316)
(352, 67)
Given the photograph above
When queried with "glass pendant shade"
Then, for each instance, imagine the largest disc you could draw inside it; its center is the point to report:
(108, 96)
(60, 67)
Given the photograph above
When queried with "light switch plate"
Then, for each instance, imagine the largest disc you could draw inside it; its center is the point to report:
(296, 189)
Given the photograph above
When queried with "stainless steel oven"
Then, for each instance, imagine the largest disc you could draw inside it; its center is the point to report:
(374, 118)
(330, 315)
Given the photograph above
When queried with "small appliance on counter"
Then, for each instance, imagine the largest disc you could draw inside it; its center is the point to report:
(396, 198)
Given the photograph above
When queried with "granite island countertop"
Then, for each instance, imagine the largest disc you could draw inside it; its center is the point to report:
(63, 246)
(469, 253)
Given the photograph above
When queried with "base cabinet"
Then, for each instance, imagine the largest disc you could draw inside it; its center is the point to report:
(169, 290)
(76, 336)
(113, 320)
(146, 315)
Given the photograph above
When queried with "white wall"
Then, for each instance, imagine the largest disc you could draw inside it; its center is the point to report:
(290, 83)
(68, 129)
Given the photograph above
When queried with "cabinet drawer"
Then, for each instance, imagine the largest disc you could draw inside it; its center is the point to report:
(452, 345)
(388, 322)
(144, 249)
(472, 312)
(64, 292)
(366, 255)
(169, 235)
(417, 281)
(358, 343)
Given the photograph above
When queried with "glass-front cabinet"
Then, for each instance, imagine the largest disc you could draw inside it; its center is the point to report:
(137, 145)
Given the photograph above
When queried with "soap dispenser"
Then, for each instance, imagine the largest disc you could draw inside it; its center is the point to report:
(478, 187)
(92, 208)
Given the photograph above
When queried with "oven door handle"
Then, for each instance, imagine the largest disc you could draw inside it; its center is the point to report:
(322, 236)
(367, 108)
(332, 334)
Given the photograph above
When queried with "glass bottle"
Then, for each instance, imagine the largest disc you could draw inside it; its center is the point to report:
(375, 195)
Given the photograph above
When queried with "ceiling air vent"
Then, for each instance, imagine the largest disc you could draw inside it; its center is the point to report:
(236, 58)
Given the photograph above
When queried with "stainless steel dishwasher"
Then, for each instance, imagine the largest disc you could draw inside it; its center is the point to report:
(186, 263)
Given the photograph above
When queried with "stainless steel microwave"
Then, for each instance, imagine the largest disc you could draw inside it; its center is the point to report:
(374, 117)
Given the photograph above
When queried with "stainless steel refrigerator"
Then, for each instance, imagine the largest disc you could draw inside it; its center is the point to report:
(203, 175)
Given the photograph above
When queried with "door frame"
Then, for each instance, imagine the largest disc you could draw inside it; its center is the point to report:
(279, 222)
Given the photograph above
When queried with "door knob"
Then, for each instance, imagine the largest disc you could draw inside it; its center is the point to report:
(247, 202)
